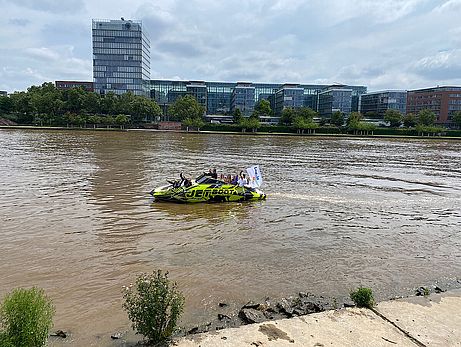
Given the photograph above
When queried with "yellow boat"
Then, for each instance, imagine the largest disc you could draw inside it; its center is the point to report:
(205, 189)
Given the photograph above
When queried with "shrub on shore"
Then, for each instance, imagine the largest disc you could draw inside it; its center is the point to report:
(154, 305)
(363, 297)
(26, 316)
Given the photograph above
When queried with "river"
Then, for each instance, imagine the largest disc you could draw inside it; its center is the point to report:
(77, 220)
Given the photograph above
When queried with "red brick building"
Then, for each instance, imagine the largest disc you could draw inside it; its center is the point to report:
(63, 85)
(443, 101)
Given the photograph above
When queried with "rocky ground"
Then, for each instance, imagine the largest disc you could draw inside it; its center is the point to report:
(265, 310)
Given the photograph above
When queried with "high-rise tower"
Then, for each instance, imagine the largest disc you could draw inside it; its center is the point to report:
(121, 57)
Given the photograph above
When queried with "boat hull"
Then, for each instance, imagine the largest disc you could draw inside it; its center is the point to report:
(207, 193)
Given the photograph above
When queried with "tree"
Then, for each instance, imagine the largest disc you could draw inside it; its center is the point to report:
(6, 105)
(288, 115)
(253, 123)
(198, 123)
(22, 104)
(337, 118)
(409, 120)
(394, 118)
(154, 305)
(262, 109)
(188, 122)
(457, 118)
(426, 117)
(91, 103)
(125, 103)
(250, 123)
(107, 103)
(74, 99)
(429, 130)
(94, 120)
(299, 123)
(237, 116)
(121, 120)
(186, 107)
(144, 109)
(365, 128)
(109, 121)
(355, 123)
(354, 119)
(306, 113)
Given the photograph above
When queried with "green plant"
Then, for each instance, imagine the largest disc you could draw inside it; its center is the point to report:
(363, 297)
(26, 316)
(154, 305)
(334, 304)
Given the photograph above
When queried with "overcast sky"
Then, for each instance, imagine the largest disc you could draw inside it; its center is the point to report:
(383, 44)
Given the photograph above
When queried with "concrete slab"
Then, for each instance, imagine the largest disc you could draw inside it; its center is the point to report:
(434, 320)
(351, 327)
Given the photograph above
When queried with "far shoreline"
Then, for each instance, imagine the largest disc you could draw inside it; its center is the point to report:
(248, 133)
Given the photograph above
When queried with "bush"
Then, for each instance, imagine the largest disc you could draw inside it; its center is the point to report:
(26, 316)
(154, 305)
(363, 297)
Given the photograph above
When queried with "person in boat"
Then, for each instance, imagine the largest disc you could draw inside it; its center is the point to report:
(235, 180)
(209, 173)
(214, 174)
(242, 181)
(183, 182)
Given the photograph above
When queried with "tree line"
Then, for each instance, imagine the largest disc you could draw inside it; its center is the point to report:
(47, 105)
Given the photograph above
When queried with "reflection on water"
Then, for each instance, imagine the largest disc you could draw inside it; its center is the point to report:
(77, 219)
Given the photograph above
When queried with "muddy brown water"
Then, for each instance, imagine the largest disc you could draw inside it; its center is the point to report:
(77, 221)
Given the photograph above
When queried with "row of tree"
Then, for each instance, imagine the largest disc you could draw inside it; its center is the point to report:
(423, 118)
(47, 105)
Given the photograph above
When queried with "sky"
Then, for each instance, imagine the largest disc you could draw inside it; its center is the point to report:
(382, 44)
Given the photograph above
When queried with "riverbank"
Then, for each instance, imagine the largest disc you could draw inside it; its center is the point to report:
(249, 133)
(323, 135)
(432, 320)
(309, 320)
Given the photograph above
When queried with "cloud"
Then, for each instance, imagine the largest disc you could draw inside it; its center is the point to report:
(444, 65)
(387, 44)
(18, 21)
(54, 6)
(179, 49)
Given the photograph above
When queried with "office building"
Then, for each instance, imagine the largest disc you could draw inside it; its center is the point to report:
(373, 106)
(335, 98)
(218, 95)
(121, 57)
(443, 101)
(63, 85)
(198, 90)
(243, 98)
(288, 96)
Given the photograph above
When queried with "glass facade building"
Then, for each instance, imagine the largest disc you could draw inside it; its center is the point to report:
(219, 95)
(121, 57)
(243, 98)
(374, 105)
(289, 95)
(333, 100)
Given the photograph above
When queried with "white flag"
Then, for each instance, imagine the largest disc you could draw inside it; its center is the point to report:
(255, 176)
